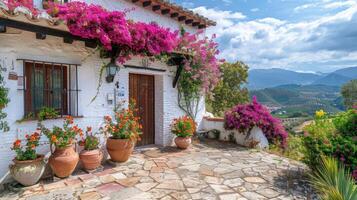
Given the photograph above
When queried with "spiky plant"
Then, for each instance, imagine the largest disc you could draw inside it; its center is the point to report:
(332, 181)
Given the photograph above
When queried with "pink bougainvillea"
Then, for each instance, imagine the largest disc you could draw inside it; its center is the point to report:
(12, 4)
(205, 65)
(244, 117)
(152, 38)
(94, 22)
(112, 29)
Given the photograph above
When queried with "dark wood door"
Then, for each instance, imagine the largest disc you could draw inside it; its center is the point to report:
(141, 89)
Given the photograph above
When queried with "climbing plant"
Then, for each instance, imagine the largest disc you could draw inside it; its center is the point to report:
(3, 102)
(123, 38)
(201, 71)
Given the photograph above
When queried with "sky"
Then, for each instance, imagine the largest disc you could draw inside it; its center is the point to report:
(299, 35)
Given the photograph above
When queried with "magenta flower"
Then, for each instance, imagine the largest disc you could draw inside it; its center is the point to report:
(244, 117)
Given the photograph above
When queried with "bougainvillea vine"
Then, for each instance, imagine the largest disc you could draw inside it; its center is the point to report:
(114, 32)
(246, 116)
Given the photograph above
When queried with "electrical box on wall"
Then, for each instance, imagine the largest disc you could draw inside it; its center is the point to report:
(110, 98)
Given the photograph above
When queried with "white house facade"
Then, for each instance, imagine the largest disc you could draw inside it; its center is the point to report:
(70, 72)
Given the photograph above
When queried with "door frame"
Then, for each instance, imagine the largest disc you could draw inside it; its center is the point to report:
(153, 102)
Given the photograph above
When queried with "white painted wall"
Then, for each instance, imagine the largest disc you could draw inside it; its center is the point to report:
(256, 133)
(24, 45)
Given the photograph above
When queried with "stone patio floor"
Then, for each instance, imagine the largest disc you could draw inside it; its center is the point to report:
(212, 170)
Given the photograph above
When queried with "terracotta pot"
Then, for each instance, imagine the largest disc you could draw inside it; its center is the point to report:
(91, 159)
(183, 142)
(63, 161)
(119, 149)
(28, 172)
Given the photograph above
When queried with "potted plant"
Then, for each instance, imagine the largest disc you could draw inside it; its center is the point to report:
(47, 113)
(183, 127)
(64, 159)
(28, 166)
(124, 132)
(91, 156)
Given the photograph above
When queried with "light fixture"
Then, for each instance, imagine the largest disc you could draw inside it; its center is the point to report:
(111, 70)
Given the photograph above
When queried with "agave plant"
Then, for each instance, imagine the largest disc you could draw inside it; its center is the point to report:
(332, 181)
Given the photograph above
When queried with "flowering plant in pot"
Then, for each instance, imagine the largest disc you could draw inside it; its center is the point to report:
(183, 127)
(91, 156)
(124, 132)
(28, 166)
(64, 159)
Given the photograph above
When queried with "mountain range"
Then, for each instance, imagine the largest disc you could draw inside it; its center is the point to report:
(267, 78)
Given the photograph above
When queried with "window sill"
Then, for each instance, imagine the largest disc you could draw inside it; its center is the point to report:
(36, 120)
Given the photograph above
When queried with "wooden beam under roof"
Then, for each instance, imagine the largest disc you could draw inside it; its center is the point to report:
(165, 11)
(175, 14)
(181, 18)
(146, 3)
(156, 7)
(189, 21)
(42, 30)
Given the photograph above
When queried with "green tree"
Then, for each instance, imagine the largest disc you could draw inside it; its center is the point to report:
(349, 93)
(229, 91)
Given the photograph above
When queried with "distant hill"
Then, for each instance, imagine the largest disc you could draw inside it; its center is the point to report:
(268, 78)
(300, 98)
(333, 79)
(338, 77)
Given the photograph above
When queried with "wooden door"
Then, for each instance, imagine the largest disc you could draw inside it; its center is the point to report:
(141, 89)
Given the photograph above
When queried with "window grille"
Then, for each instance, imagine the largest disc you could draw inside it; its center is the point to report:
(52, 85)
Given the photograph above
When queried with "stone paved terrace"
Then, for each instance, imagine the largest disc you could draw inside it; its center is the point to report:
(206, 171)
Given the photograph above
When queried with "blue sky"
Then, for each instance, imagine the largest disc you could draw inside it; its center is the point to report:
(301, 35)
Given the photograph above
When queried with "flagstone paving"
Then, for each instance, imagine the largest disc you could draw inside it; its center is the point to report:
(206, 171)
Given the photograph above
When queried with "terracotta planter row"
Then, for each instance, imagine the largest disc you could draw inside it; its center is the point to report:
(63, 161)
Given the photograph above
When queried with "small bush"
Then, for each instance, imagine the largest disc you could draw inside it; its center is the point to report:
(294, 150)
(246, 116)
(323, 139)
(346, 123)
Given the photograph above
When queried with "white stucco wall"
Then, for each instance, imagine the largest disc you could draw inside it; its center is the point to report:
(256, 134)
(24, 45)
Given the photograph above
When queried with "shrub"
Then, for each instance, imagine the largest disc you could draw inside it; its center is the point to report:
(323, 139)
(332, 182)
(295, 147)
(29, 152)
(246, 116)
(346, 123)
(183, 127)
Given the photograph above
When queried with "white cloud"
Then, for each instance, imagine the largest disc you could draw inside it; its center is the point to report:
(340, 4)
(254, 9)
(317, 45)
(227, 2)
(325, 4)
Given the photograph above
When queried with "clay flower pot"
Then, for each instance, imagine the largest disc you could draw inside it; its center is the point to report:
(183, 142)
(91, 159)
(120, 149)
(28, 172)
(63, 161)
